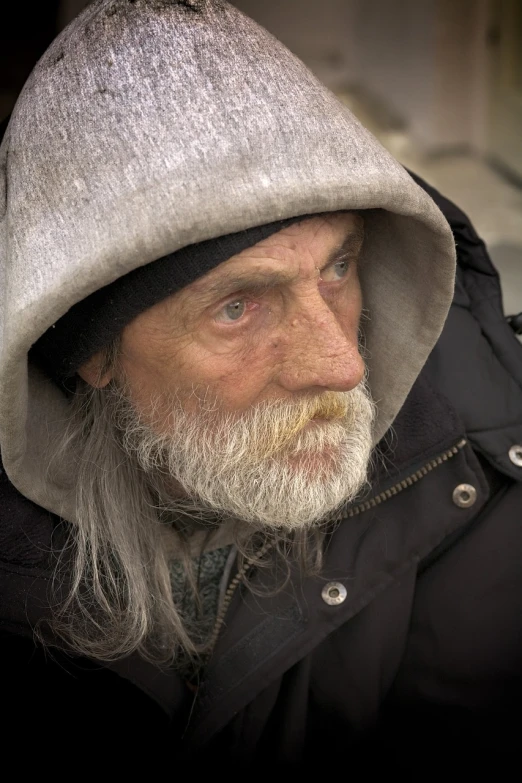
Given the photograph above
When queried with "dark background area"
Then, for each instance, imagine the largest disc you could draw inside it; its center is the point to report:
(26, 30)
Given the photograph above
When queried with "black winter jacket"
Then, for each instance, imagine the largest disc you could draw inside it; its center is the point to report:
(417, 672)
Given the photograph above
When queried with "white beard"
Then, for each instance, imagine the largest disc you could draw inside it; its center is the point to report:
(260, 466)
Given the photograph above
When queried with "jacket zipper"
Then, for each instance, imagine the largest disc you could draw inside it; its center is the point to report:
(352, 512)
(407, 482)
(229, 594)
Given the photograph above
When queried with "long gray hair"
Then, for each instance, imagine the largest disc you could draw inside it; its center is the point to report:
(116, 567)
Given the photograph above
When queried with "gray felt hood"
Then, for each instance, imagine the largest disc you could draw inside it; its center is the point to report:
(154, 124)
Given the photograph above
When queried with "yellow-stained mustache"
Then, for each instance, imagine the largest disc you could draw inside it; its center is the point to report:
(279, 425)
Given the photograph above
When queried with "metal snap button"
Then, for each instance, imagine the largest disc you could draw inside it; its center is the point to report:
(515, 455)
(464, 495)
(334, 593)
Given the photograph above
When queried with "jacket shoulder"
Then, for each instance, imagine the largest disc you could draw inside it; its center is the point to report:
(477, 361)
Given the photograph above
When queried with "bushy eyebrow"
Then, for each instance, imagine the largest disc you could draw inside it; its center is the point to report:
(258, 282)
(351, 244)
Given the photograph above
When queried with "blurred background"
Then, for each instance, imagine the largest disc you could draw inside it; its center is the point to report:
(439, 82)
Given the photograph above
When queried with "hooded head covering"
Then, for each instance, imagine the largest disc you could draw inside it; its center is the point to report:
(97, 320)
(151, 125)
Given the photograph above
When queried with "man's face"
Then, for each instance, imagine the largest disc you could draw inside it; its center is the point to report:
(253, 372)
(276, 321)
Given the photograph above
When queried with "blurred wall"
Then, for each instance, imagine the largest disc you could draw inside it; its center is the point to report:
(428, 62)
(320, 33)
(394, 51)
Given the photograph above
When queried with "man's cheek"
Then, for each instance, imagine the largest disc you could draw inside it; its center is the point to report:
(246, 384)
(236, 372)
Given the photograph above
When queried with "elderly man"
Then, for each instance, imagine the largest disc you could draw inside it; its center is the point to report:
(256, 507)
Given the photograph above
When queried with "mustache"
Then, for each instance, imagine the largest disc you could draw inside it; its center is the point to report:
(269, 429)
(275, 427)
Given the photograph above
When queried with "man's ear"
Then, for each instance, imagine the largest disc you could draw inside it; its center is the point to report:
(91, 371)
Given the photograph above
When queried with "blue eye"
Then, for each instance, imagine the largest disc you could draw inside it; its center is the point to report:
(233, 310)
(337, 270)
(341, 268)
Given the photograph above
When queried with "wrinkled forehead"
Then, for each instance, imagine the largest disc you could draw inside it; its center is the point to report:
(317, 238)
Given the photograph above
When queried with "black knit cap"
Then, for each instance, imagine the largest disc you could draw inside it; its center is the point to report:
(93, 323)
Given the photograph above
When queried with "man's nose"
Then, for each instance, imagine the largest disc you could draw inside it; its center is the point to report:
(322, 350)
